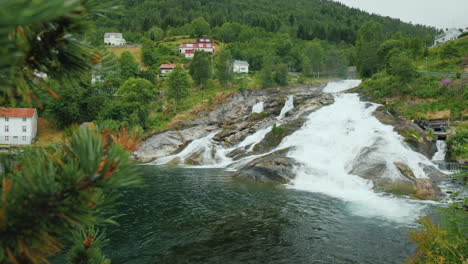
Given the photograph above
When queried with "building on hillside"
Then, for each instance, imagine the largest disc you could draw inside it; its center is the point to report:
(114, 39)
(18, 126)
(438, 122)
(240, 66)
(167, 68)
(203, 44)
(449, 34)
(204, 40)
(189, 54)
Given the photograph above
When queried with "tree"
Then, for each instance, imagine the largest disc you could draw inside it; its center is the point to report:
(315, 53)
(266, 75)
(306, 66)
(67, 188)
(386, 47)
(156, 33)
(449, 51)
(178, 84)
(132, 104)
(200, 27)
(368, 41)
(416, 47)
(136, 90)
(224, 66)
(129, 68)
(400, 66)
(59, 52)
(200, 69)
(281, 74)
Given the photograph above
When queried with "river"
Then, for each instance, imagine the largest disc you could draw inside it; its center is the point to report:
(326, 215)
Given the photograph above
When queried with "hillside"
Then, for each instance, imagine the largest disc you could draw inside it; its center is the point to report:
(433, 86)
(305, 19)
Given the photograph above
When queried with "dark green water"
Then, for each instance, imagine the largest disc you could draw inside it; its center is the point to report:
(203, 216)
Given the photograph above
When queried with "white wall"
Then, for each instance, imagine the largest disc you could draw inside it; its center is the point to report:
(240, 69)
(15, 132)
(114, 41)
(165, 71)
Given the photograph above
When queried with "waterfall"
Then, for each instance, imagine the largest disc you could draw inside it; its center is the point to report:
(254, 139)
(205, 150)
(340, 86)
(441, 151)
(257, 108)
(328, 144)
(288, 106)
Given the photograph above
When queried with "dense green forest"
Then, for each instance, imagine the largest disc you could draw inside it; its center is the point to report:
(305, 19)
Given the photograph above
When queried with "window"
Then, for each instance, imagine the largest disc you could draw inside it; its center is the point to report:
(7, 138)
(24, 138)
(24, 128)
(7, 129)
(7, 119)
(201, 45)
(24, 119)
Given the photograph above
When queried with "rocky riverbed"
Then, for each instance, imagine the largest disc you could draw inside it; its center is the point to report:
(247, 134)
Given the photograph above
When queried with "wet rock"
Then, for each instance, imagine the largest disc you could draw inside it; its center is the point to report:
(424, 189)
(169, 142)
(276, 135)
(398, 180)
(435, 174)
(416, 137)
(273, 168)
(405, 171)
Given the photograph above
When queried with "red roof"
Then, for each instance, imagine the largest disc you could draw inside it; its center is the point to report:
(17, 112)
(189, 52)
(197, 46)
(167, 66)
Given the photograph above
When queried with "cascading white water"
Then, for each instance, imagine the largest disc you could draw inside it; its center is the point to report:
(441, 151)
(209, 153)
(340, 86)
(258, 107)
(288, 106)
(328, 144)
(253, 139)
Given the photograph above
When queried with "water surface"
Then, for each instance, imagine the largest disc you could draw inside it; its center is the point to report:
(204, 216)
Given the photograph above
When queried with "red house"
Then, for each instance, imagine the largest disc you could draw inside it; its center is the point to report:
(203, 44)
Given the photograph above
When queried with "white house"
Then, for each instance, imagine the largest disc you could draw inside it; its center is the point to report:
(114, 39)
(167, 68)
(18, 126)
(449, 34)
(240, 66)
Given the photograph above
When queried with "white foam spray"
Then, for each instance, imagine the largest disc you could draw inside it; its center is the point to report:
(288, 106)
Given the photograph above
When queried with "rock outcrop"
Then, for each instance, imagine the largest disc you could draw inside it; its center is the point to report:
(274, 168)
(416, 137)
(235, 122)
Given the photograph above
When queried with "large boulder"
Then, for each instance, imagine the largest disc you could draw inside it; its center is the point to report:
(276, 135)
(273, 168)
(395, 178)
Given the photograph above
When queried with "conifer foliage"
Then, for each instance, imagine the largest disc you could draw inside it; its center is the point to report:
(53, 195)
(48, 192)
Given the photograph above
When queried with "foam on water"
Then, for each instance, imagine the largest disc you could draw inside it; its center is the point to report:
(258, 107)
(441, 151)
